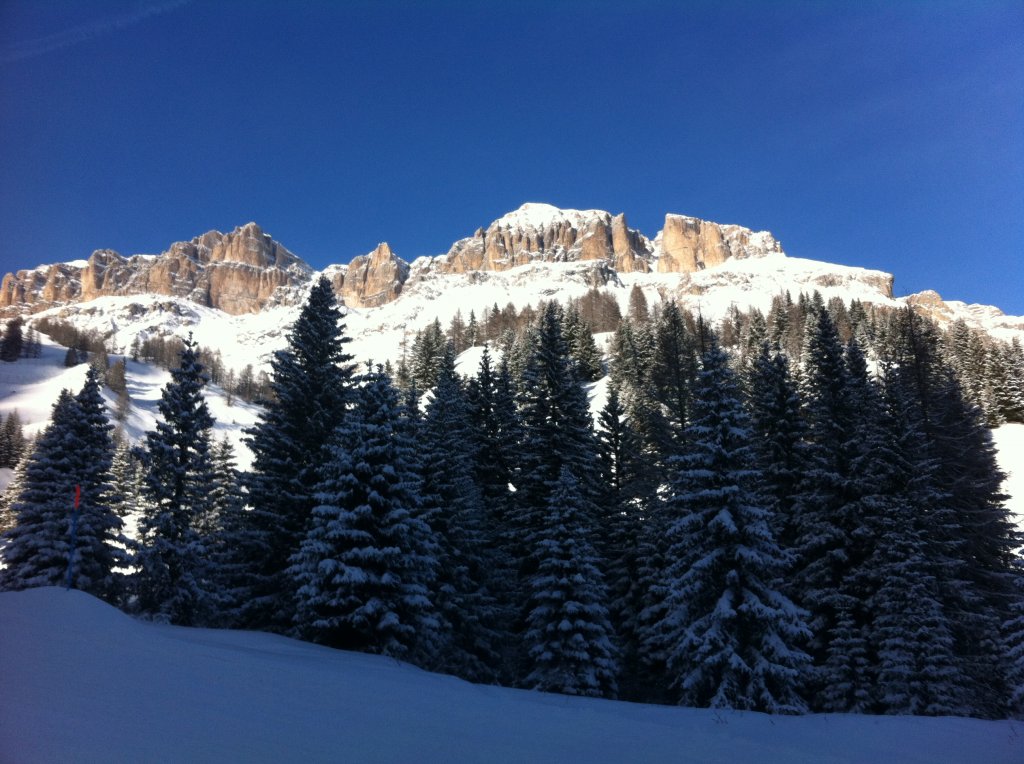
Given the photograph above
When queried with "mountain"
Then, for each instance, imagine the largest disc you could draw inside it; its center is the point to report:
(239, 290)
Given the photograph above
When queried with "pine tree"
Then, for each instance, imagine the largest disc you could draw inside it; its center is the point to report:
(733, 639)
(364, 570)
(568, 636)
(173, 580)
(637, 312)
(833, 541)
(778, 437)
(624, 507)
(227, 538)
(582, 348)
(557, 430)
(918, 670)
(454, 510)
(12, 341)
(972, 538)
(675, 365)
(74, 451)
(311, 383)
(100, 545)
(427, 349)
(127, 477)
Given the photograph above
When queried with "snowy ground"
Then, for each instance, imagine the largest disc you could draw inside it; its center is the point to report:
(31, 386)
(83, 682)
(1009, 441)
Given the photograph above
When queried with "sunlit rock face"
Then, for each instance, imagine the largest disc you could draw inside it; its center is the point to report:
(236, 272)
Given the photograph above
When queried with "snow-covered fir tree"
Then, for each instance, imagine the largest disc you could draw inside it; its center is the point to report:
(226, 537)
(568, 635)
(832, 541)
(973, 539)
(72, 456)
(674, 367)
(624, 508)
(453, 507)
(364, 571)
(557, 427)
(732, 638)
(173, 582)
(911, 636)
(311, 382)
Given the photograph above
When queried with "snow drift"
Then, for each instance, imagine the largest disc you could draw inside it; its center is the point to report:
(81, 681)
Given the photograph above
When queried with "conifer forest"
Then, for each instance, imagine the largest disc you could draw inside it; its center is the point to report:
(790, 512)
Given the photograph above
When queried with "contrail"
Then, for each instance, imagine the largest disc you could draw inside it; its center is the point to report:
(19, 51)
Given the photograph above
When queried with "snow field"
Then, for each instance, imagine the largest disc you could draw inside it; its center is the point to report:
(83, 682)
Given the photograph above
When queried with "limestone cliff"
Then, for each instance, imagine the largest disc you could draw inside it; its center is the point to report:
(540, 232)
(689, 244)
(372, 280)
(245, 270)
(235, 272)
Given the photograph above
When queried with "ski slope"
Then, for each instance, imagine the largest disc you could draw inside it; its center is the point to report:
(82, 682)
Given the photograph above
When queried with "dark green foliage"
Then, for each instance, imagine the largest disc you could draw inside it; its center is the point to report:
(730, 637)
(12, 341)
(366, 566)
(173, 583)
(568, 636)
(311, 382)
(74, 451)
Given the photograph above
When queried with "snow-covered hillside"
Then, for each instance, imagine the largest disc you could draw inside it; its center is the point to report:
(82, 682)
(31, 386)
(378, 333)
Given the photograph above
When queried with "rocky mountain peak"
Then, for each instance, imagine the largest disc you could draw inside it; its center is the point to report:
(543, 233)
(236, 272)
(373, 279)
(688, 244)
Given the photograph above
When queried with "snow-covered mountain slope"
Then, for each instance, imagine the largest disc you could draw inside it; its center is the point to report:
(31, 386)
(378, 332)
(247, 285)
(84, 682)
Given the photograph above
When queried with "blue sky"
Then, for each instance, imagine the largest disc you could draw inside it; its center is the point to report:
(888, 135)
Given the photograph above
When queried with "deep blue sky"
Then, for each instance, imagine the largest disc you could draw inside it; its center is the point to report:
(889, 136)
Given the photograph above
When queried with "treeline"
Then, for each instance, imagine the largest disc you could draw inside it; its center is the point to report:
(745, 529)
(17, 343)
(990, 372)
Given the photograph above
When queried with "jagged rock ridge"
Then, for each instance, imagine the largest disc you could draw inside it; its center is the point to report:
(236, 272)
(240, 272)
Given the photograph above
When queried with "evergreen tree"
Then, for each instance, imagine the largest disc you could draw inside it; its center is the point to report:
(12, 341)
(427, 350)
(777, 436)
(918, 670)
(74, 451)
(453, 507)
(732, 638)
(12, 440)
(365, 568)
(568, 636)
(226, 536)
(173, 580)
(100, 545)
(311, 386)
(557, 428)
(624, 506)
(582, 348)
(127, 476)
(637, 312)
(972, 538)
(675, 365)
